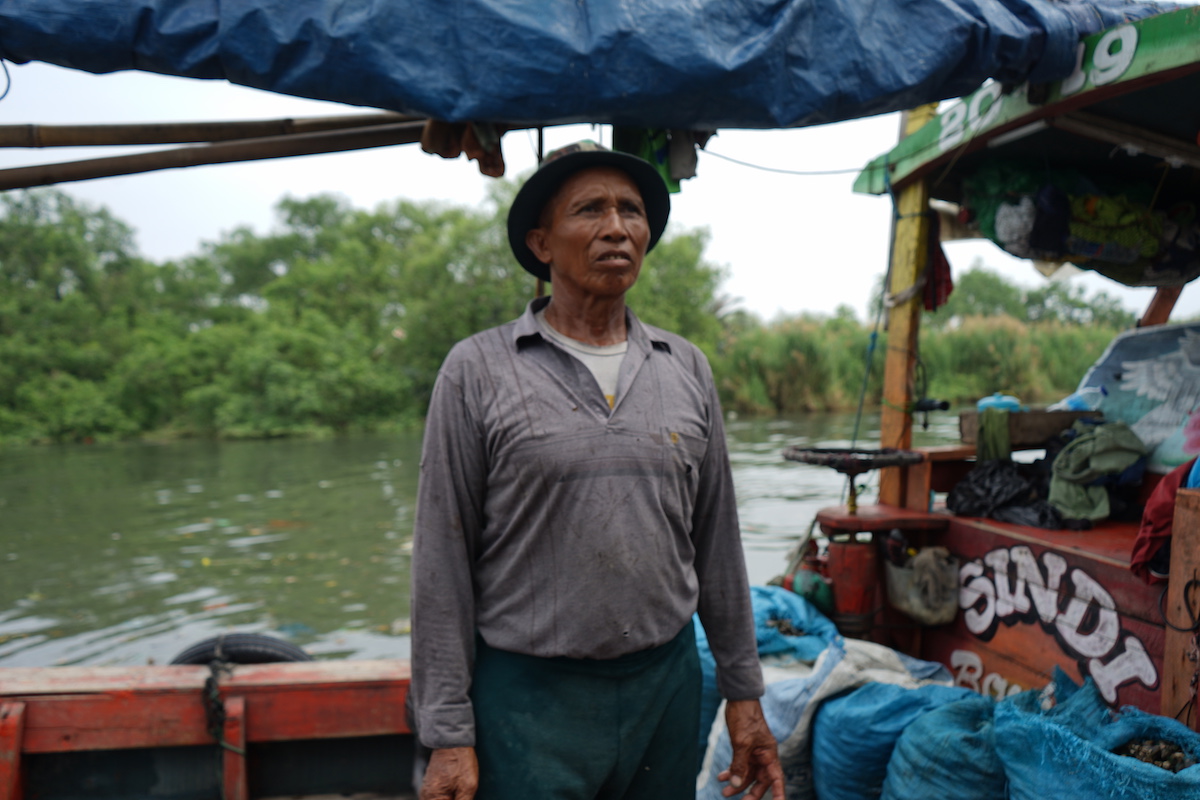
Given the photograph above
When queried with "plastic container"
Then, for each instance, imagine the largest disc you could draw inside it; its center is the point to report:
(1005, 402)
(1088, 398)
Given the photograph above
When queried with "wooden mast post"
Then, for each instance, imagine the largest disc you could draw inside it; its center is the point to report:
(1180, 656)
(910, 252)
(1161, 305)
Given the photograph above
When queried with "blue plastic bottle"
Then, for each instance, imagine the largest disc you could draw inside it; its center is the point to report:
(1088, 398)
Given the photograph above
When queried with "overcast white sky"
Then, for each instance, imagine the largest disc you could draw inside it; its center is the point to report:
(789, 243)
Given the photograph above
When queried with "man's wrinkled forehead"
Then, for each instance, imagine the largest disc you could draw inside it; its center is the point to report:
(573, 179)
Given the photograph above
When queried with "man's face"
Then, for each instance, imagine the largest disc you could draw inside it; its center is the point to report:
(593, 233)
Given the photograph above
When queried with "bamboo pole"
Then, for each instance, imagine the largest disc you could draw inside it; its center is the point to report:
(910, 252)
(34, 135)
(1181, 608)
(221, 153)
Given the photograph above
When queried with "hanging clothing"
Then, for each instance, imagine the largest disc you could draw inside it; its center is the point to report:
(1157, 521)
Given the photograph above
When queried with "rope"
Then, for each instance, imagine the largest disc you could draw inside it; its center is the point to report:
(1189, 589)
(1190, 586)
(214, 707)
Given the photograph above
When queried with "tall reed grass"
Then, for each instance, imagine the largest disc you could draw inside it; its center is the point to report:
(812, 363)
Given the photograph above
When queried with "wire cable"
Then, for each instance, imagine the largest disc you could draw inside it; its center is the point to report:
(784, 171)
(1188, 589)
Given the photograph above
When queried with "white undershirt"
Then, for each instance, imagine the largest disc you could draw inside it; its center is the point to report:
(603, 362)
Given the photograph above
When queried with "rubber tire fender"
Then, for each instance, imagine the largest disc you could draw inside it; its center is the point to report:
(242, 648)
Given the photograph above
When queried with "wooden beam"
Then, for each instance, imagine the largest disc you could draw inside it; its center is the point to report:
(34, 135)
(1161, 306)
(1182, 603)
(12, 728)
(221, 153)
(1111, 131)
(234, 782)
(103, 708)
(910, 252)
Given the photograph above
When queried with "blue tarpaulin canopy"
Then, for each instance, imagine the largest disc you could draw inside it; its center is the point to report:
(703, 64)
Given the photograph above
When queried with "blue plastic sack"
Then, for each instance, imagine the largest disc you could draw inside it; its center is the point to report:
(1080, 709)
(1066, 754)
(790, 705)
(949, 752)
(772, 605)
(854, 735)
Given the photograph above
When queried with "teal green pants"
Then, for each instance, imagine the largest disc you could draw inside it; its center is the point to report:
(571, 729)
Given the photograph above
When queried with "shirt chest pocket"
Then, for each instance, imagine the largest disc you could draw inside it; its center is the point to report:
(683, 455)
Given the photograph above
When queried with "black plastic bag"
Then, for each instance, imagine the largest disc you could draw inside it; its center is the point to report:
(991, 485)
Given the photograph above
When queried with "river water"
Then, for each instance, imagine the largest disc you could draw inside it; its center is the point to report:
(130, 553)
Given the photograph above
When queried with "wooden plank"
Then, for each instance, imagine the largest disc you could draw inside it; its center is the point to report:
(1182, 605)
(82, 680)
(1158, 312)
(837, 519)
(33, 135)
(1026, 429)
(131, 707)
(1108, 542)
(299, 144)
(918, 485)
(948, 452)
(113, 721)
(12, 728)
(234, 782)
(1028, 603)
(1134, 55)
(910, 253)
(331, 712)
(129, 720)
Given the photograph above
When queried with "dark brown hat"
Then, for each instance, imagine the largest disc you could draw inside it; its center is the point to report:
(560, 164)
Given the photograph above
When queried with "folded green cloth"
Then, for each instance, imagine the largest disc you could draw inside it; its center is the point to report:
(1098, 451)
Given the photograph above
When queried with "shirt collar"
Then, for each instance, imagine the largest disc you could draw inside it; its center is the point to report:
(526, 326)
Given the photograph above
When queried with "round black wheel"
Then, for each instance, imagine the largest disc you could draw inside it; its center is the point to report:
(242, 648)
(853, 461)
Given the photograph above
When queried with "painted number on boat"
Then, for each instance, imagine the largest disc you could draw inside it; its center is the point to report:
(1011, 586)
(1110, 60)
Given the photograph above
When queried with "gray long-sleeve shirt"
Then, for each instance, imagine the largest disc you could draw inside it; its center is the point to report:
(555, 527)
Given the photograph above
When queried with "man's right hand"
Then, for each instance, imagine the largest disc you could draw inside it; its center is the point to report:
(452, 774)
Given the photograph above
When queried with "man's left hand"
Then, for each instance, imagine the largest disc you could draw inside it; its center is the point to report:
(755, 766)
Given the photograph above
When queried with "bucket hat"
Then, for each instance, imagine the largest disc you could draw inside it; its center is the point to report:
(526, 210)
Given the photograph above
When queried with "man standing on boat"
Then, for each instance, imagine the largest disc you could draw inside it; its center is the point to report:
(575, 508)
